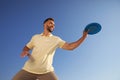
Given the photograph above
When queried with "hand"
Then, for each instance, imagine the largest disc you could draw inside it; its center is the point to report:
(31, 57)
(85, 33)
(24, 53)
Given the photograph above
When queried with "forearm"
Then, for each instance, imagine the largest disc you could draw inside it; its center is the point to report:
(25, 52)
(75, 44)
(26, 48)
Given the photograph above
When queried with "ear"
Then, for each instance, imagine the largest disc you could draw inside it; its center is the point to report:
(44, 24)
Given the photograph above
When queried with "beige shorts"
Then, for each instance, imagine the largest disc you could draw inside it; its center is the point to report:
(24, 75)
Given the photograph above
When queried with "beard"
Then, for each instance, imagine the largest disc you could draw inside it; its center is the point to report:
(49, 29)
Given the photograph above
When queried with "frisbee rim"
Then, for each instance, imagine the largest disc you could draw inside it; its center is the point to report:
(93, 28)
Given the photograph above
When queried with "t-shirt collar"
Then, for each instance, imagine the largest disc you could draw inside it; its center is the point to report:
(47, 36)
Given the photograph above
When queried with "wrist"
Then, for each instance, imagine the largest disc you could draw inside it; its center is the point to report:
(84, 36)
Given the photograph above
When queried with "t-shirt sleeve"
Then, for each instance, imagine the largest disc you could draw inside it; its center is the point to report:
(30, 43)
(61, 43)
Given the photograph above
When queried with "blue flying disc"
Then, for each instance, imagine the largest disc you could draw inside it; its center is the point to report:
(93, 28)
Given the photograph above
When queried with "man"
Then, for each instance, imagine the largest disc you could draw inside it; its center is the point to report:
(39, 66)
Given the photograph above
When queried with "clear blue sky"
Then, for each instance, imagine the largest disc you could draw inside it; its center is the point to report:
(98, 58)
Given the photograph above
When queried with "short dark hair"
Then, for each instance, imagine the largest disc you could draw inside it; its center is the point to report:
(47, 20)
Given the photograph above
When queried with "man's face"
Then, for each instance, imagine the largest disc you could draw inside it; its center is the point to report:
(50, 25)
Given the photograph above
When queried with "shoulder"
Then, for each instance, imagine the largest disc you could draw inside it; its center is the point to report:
(36, 35)
(57, 38)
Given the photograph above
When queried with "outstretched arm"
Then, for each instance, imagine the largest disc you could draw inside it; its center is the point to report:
(73, 45)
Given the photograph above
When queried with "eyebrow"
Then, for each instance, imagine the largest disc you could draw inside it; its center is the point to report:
(52, 22)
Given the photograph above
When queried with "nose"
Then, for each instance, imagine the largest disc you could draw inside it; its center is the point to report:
(52, 26)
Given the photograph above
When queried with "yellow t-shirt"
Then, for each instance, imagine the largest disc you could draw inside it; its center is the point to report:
(43, 49)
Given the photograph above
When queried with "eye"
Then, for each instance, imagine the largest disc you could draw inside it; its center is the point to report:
(51, 23)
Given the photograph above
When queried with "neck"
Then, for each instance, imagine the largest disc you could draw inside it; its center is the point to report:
(46, 33)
